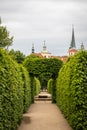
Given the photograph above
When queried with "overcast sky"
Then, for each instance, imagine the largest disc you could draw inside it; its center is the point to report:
(33, 21)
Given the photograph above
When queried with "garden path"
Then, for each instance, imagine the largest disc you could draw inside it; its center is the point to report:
(43, 115)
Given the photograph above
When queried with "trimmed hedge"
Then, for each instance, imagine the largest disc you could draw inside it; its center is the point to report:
(14, 92)
(37, 86)
(26, 88)
(49, 86)
(43, 68)
(11, 91)
(72, 90)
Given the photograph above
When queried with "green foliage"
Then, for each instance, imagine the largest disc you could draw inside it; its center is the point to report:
(54, 91)
(32, 83)
(5, 40)
(33, 55)
(17, 55)
(11, 91)
(49, 86)
(43, 68)
(26, 88)
(37, 86)
(14, 92)
(72, 90)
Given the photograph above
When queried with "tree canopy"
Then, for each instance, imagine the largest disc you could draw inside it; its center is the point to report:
(17, 55)
(5, 39)
(43, 68)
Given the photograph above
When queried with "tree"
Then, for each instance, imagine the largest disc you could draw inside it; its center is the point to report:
(43, 68)
(17, 55)
(5, 40)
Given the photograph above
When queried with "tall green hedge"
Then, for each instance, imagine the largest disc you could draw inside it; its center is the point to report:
(49, 86)
(14, 92)
(72, 90)
(37, 86)
(26, 88)
(11, 91)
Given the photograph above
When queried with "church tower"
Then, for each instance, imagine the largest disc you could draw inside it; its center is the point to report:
(33, 48)
(72, 48)
(44, 52)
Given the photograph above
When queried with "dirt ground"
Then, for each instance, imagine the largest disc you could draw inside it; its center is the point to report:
(43, 115)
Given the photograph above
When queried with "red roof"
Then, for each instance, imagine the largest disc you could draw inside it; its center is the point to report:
(72, 50)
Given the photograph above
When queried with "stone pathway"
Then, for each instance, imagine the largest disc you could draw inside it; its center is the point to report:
(43, 115)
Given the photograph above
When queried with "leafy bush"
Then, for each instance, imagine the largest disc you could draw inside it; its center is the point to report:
(37, 86)
(18, 56)
(49, 86)
(43, 68)
(15, 92)
(11, 91)
(72, 90)
(26, 88)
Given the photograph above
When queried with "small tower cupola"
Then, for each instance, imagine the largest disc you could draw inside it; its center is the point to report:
(82, 46)
(44, 47)
(44, 52)
(32, 47)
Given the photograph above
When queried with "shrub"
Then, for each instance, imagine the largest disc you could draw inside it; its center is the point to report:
(37, 86)
(72, 90)
(11, 92)
(49, 86)
(26, 88)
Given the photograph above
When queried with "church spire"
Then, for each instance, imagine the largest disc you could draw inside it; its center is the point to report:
(32, 47)
(72, 45)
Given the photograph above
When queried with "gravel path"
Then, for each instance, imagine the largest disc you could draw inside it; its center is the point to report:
(44, 115)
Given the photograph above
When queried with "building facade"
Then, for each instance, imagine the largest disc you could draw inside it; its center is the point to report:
(72, 50)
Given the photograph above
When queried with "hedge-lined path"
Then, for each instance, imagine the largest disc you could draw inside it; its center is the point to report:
(43, 115)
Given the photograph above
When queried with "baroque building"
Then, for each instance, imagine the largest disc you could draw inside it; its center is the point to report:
(72, 50)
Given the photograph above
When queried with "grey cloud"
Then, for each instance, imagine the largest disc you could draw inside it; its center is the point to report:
(49, 20)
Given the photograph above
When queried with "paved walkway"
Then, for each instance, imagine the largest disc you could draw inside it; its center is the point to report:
(44, 115)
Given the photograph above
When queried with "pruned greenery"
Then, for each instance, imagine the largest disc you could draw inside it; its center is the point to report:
(49, 86)
(11, 91)
(18, 56)
(72, 90)
(26, 88)
(14, 92)
(43, 68)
